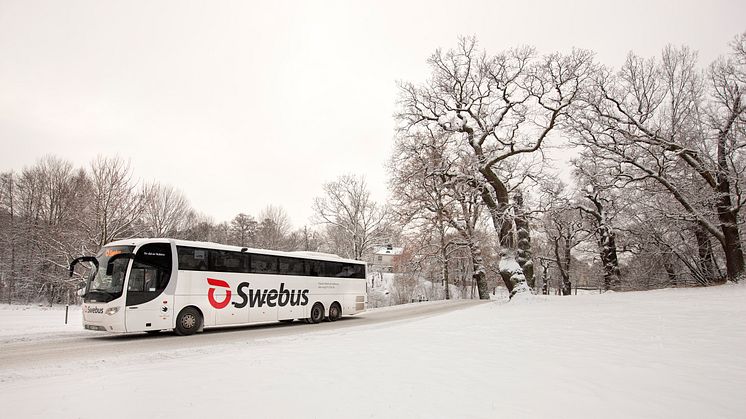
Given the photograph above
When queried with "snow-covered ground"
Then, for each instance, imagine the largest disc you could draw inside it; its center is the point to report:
(659, 354)
(24, 323)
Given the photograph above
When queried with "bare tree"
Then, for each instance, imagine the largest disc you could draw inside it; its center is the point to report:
(666, 122)
(564, 231)
(166, 212)
(115, 203)
(420, 197)
(499, 108)
(274, 227)
(348, 208)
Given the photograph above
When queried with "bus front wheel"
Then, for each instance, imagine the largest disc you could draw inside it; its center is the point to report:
(188, 321)
(317, 313)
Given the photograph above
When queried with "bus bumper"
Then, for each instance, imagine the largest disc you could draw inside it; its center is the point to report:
(103, 317)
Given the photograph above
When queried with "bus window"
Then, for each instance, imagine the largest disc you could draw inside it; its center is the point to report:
(224, 261)
(192, 259)
(291, 266)
(314, 268)
(358, 271)
(264, 264)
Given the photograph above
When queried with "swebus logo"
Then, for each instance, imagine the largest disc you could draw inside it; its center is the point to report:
(211, 293)
(256, 297)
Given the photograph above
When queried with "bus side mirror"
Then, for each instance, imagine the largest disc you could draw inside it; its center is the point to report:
(110, 265)
(90, 259)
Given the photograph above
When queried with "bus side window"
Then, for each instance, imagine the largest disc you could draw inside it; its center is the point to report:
(291, 266)
(192, 259)
(225, 261)
(313, 268)
(358, 271)
(264, 264)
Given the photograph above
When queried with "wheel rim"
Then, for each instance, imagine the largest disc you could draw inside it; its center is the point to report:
(316, 313)
(333, 312)
(188, 321)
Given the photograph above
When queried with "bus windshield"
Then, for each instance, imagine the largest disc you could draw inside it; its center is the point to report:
(102, 287)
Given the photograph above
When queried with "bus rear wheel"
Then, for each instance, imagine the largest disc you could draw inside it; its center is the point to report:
(335, 312)
(188, 321)
(317, 313)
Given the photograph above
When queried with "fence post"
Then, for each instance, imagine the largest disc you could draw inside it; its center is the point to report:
(66, 308)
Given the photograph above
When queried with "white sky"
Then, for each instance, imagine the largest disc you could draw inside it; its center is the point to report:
(244, 104)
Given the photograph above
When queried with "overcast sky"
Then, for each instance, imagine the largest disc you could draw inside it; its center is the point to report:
(244, 104)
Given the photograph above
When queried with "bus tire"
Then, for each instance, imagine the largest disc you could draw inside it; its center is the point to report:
(335, 312)
(188, 321)
(317, 313)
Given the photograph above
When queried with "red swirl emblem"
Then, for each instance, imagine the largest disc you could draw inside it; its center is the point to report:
(211, 293)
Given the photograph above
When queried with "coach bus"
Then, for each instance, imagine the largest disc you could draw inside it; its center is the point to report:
(149, 285)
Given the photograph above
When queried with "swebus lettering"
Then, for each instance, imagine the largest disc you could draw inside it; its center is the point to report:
(283, 293)
(242, 294)
(256, 299)
(271, 297)
(295, 297)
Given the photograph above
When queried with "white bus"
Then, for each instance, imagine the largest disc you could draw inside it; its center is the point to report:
(149, 285)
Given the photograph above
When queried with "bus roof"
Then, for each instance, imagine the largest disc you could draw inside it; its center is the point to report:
(217, 246)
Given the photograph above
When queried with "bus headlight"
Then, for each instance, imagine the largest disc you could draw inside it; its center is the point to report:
(112, 311)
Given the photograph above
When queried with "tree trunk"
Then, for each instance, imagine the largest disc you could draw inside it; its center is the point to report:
(444, 257)
(545, 277)
(609, 259)
(512, 273)
(479, 274)
(671, 274)
(566, 283)
(727, 215)
(734, 263)
(523, 247)
(706, 259)
(510, 270)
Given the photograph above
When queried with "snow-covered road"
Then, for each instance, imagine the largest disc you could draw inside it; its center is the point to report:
(26, 346)
(675, 353)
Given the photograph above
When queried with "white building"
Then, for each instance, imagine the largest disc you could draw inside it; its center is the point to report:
(384, 256)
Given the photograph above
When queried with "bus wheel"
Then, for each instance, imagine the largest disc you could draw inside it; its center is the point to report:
(334, 312)
(188, 321)
(317, 313)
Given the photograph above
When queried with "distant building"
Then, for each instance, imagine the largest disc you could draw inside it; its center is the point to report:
(384, 257)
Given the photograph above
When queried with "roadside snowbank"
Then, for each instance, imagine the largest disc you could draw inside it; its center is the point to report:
(658, 354)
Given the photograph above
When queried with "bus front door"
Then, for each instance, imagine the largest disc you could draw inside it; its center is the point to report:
(148, 307)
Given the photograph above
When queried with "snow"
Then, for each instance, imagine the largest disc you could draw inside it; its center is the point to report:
(657, 354)
(25, 323)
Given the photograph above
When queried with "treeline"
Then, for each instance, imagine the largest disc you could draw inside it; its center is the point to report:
(52, 212)
(657, 188)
